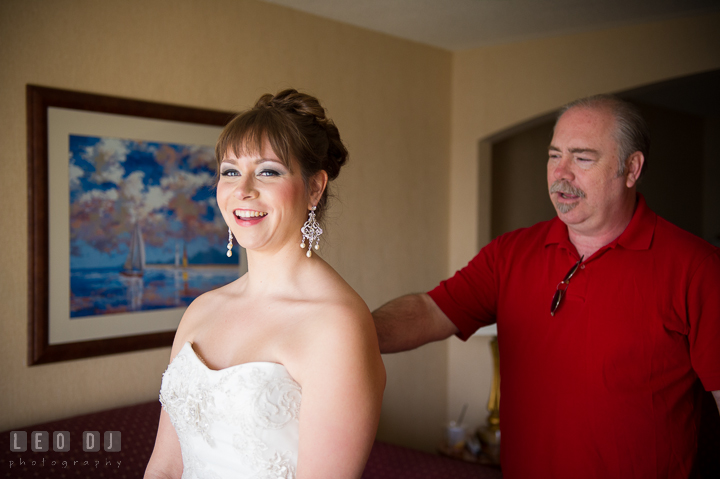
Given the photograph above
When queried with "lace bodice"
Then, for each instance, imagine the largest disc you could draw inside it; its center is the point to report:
(238, 422)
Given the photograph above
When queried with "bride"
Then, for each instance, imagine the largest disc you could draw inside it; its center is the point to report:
(277, 374)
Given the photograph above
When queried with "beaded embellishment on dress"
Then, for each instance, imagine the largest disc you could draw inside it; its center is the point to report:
(237, 422)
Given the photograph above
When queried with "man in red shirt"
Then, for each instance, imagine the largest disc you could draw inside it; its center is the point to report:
(607, 315)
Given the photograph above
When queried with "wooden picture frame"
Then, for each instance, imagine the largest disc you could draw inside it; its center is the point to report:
(40, 101)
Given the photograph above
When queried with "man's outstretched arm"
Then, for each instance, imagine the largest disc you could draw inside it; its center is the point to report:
(410, 321)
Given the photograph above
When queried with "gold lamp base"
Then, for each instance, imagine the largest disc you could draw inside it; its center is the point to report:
(489, 434)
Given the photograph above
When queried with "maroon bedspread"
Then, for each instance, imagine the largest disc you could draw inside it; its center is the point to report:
(395, 462)
(137, 426)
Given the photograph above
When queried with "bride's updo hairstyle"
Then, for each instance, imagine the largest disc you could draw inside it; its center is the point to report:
(296, 127)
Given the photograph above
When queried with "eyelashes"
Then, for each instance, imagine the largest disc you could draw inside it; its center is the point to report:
(266, 172)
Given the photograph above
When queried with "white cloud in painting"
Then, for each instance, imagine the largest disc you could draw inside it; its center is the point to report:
(183, 181)
(201, 156)
(145, 147)
(108, 156)
(157, 198)
(133, 188)
(101, 195)
(75, 173)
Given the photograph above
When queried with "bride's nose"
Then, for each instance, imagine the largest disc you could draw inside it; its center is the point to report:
(245, 188)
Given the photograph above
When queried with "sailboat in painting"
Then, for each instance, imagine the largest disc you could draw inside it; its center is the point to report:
(135, 262)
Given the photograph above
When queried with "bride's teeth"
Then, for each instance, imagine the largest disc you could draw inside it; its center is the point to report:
(249, 214)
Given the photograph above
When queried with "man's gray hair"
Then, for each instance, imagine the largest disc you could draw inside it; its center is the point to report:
(631, 132)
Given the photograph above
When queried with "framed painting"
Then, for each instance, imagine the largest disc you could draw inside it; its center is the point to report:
(124, 229)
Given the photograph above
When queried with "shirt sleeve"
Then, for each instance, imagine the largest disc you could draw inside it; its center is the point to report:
(703, 302)
(469, 298)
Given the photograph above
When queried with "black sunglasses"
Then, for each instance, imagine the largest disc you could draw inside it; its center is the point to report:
(562, 287)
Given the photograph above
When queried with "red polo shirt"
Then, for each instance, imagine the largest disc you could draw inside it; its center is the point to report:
(606, 387)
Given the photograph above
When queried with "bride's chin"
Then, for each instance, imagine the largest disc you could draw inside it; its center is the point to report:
(261, 247)
(279, 240)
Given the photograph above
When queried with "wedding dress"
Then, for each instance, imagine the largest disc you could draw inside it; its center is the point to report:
(237, 422)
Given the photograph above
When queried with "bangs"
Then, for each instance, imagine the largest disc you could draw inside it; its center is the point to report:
(246, 133)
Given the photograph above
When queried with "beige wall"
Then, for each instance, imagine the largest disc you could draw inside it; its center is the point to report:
(390, 98)
(497, 87)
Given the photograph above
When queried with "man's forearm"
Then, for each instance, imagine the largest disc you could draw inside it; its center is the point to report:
(410, 321)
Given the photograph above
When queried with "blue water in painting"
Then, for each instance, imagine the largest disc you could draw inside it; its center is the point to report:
(96, 291)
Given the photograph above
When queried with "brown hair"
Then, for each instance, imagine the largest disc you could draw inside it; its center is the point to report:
(296, 126)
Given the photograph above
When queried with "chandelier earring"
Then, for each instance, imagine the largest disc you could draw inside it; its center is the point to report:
(230, 243)
(311, 232)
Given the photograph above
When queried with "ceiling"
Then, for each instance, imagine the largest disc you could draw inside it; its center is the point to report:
(464, 24)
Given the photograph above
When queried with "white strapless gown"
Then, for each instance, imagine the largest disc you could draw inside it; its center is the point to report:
(238, 422)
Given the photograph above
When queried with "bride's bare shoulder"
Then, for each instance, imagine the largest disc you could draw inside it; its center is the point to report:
(332, 290)
(337, 334)
(337, 315)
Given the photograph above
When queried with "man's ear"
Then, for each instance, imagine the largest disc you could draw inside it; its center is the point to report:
(316, 186)
(634, 166)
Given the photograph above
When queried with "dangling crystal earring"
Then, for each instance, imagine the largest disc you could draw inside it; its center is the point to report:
(311, 232)
(230, 244)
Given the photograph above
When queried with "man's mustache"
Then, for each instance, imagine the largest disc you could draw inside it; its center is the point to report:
(564, 186)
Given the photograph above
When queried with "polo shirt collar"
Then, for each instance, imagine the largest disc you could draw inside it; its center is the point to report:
(639, 233)
(637, 236)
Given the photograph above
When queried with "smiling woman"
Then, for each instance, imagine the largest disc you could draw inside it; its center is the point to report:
(269, 372)
(296, 127)
(264, 201)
